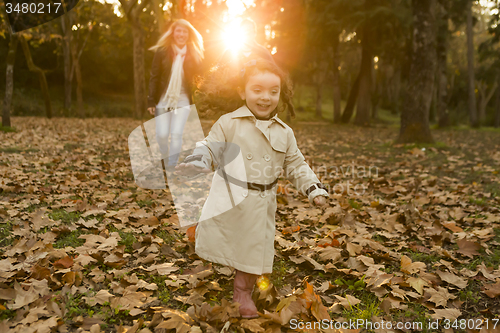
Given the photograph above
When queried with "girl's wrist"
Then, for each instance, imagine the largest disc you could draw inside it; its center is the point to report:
(317, 192)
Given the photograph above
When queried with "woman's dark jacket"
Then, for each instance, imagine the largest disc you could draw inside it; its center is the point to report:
(160, 74)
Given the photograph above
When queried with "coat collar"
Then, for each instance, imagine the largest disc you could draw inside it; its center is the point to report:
(245, 112)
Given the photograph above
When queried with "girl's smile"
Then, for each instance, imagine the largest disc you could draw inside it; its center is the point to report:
(262, 94)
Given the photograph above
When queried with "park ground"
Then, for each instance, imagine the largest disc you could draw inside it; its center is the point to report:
(411, 233)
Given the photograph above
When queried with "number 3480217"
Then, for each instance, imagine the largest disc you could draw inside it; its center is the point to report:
(472, 324)
(33, 8)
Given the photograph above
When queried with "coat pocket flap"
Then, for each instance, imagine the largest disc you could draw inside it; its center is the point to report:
(278, 142)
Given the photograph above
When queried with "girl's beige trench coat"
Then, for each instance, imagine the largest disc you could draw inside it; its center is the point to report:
(243, 236)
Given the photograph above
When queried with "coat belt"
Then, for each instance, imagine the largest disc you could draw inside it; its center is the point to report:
(251, 186)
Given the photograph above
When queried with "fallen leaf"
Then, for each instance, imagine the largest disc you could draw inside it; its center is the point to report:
(452, 279)
(65, 262)
(417, 283)
(440, 296)
(409, 267)
(450, 314)
(492, 290)
(467, 248)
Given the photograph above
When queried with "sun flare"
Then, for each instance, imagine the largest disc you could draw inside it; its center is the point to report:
(233, 36)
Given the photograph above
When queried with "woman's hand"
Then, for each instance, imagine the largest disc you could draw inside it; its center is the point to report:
(319, 200)
(152, 110)
(189, 170)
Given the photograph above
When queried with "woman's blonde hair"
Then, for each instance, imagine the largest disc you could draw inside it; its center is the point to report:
(194, 43)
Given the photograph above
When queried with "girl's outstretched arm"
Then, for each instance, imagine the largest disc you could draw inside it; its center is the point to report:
(301, 175)
(203, 155)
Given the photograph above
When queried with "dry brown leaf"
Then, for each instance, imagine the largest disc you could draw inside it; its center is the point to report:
(409, 267)
(440, 296)
(330, 253)
(452, 226)
(417, 283)
(450, 314)
(492, 290)
(467, 248)
(65, 262)
(452, 279)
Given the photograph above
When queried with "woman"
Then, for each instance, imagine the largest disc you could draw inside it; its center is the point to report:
(177, 60)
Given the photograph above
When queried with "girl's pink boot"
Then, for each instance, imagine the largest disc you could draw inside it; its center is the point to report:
(243, 287)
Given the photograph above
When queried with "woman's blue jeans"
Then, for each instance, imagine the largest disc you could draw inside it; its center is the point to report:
(171, 124)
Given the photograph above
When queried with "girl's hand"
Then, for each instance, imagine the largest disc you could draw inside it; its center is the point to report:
(152, 110)
(190, 170)
(319, 200)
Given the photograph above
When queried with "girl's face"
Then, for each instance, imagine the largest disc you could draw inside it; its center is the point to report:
(181, 36)
(262, 93)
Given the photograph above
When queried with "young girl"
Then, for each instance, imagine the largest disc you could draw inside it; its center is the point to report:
(243, 236)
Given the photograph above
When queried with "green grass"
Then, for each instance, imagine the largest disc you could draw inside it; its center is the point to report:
(11, 150)
(15, 150)
(466, 127)
(7, 129)
(305, 97)
(145, 203)
(437, 145)
(163, 292)
(479, 202)
(280, 271)
(168, 238)
(488, 259)
(6, 238)
(97, 103)
(64, 216)
(70, 239)
(415, 313)
(72, 146)
(7, 314)
(127, 238)
(76, 306)
(471, 294)
(354, 204)
(368, 308)
(422, 257)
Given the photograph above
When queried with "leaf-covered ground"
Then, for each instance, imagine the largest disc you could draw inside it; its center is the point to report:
(410, 234)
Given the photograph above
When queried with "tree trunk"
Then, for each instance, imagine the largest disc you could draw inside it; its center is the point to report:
(442, 79)
(351, 101)
(160, 19)
(470, 68)
(319, 100)
(79, 85)
(415, 114)
(484, 99)
(133, 11)
(9, 80)
(365, 84)
(66, 45)
(41, 75)
(336, 81)
(377, 89)
(139, 74)
(395, 102)
(432, 110)
(497, 113)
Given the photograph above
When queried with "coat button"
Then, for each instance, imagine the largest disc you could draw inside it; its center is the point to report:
(245, 193)
(267, 158)
(249, 156)
(262, 194)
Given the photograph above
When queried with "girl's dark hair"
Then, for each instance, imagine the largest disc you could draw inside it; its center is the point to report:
(217, 91)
